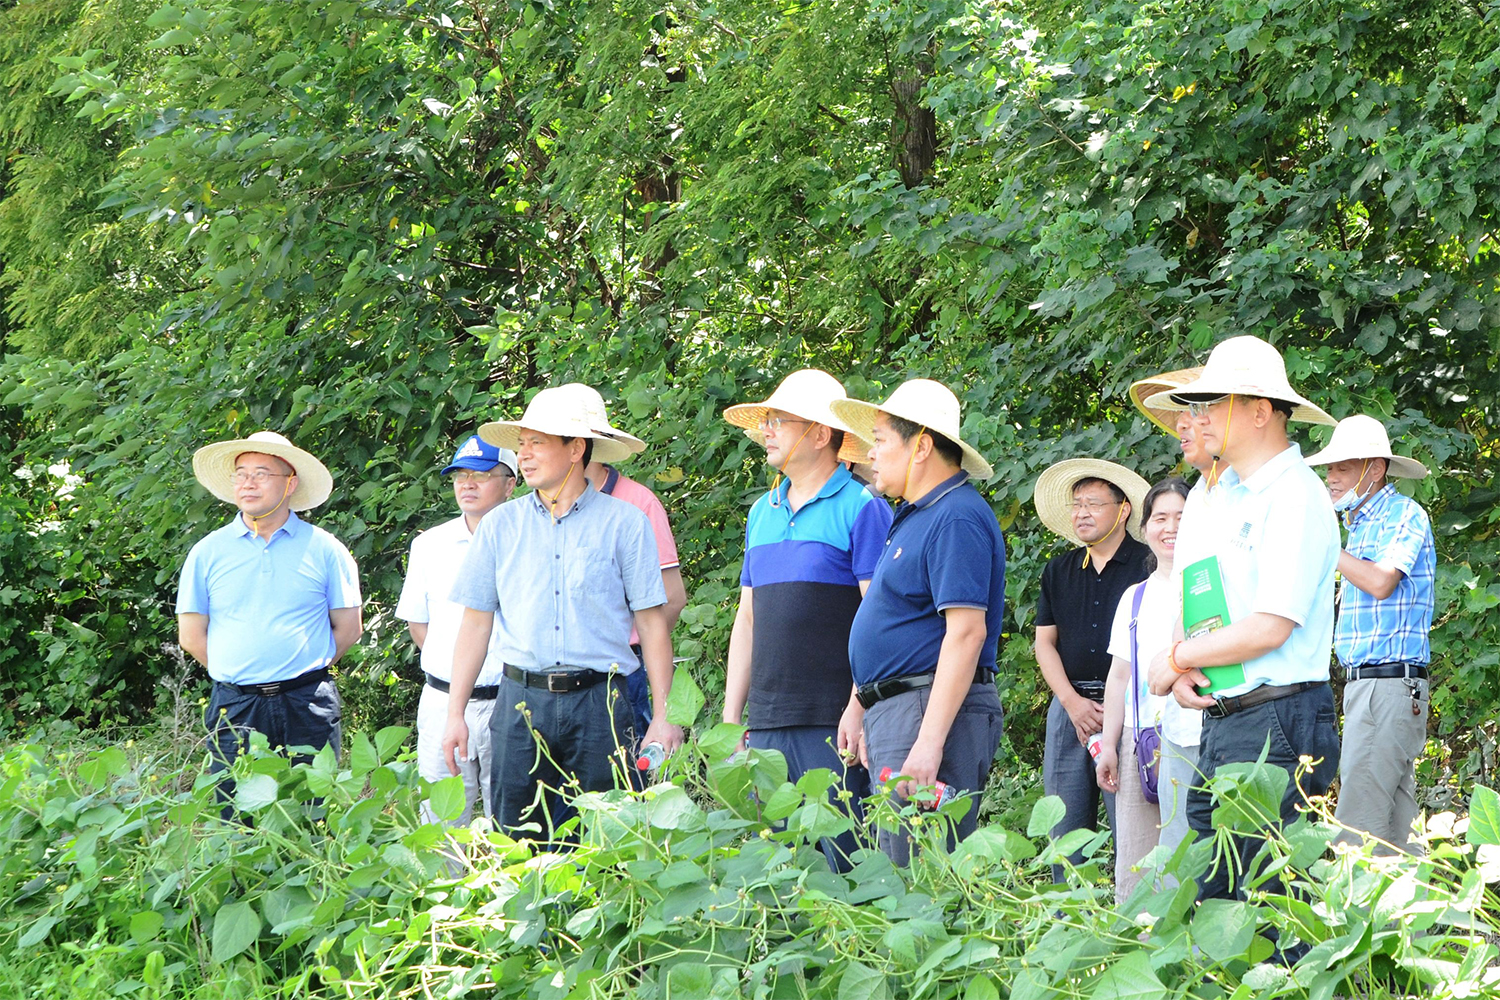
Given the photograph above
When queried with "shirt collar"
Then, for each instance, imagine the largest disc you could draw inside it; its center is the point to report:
(932, 496)
(292, 526)
(841, 475)
(1375, 508)
(583, 500)
(1263, 477)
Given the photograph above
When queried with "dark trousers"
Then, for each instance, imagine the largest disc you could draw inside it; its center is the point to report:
(310, 716)
(1300, 724)
(805, 749)
(1068, 772)
(553, 740)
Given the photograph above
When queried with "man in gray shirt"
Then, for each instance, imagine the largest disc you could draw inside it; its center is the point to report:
(561, 573)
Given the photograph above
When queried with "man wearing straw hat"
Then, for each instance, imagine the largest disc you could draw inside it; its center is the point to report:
(1385, 612)
(923, 643)
(483, 478)
(562, 574)
(268, 602)
(1096, 506)
(1266, 522)
(607, 480)
(811, 544)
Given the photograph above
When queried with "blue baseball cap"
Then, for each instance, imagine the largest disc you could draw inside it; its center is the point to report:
(481, 456)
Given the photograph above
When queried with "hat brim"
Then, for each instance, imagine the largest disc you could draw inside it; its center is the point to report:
(1166, 381)
(1053, 493)
(748, 417)
(507, 434)
(860, 415)
(1396, 466)
(213, 467)
(1303, 409)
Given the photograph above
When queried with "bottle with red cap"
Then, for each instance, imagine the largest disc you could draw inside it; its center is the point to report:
(652, 756)
(946, 793)
(1096, 745)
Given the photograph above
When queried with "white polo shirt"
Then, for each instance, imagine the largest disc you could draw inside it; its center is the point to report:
(437, 554)
(1277, 539)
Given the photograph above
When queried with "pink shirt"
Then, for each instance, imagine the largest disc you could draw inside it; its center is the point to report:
(642, 498)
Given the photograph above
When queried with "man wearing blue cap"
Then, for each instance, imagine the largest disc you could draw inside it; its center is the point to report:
(483, 478)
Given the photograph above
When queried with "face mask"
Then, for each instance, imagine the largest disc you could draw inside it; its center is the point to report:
(1352, 497)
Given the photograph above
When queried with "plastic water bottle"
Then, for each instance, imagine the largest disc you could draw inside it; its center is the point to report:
(1096, 745)
(946, 793)
(653, 755)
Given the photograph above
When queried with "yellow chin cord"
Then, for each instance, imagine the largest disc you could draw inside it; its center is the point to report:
(554, 498)
(1088, 550)
(912, 461)
(1348, 516)
(286, 492)
(1211, 477)
(776, 483)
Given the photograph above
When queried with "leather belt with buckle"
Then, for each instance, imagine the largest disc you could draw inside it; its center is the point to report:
(556, 681)
(484, 692)
(279, 687)
(1223, 707)
(1092, 690)
(878, 691)
(1410, 671)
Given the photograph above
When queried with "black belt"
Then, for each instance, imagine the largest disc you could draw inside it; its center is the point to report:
(484, 692)
(1092, 690)
(556, 681)
(1378, 670)
(1257, 696)
(878, 691)
(279, 687)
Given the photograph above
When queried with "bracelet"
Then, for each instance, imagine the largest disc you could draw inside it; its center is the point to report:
(1172, 658)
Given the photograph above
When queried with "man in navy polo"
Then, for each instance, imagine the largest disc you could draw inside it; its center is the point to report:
(922, 647)
(810, 546)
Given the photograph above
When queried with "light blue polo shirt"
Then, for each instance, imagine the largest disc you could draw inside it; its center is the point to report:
(267, 602)
(564, 592)
(1278, 544)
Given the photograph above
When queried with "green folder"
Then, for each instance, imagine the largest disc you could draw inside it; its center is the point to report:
(1205, 609)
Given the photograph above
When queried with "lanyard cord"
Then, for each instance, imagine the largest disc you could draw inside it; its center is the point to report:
(1088, 550)
(776, 483)
(1211, 478)
(286, 492)
(552, 500)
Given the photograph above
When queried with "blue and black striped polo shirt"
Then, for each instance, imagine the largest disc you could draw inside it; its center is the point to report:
(805, 568)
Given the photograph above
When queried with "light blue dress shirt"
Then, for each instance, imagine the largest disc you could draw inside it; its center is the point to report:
(564, 592)
(1390, 528)
(1277, 540)
(267, 602)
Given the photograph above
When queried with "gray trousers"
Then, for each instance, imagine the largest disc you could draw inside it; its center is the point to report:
(1377, 775)
(1068, 773)
(807, 748)
(891, 727)
(1137, 821)
(1179, 772)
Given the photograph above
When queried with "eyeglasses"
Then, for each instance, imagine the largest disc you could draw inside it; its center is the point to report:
(474, 476)
(1198, 408)
(775, 423)
(259, 477)
(1092, 506)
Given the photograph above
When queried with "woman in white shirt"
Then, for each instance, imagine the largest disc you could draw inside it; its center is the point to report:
(1129, 707)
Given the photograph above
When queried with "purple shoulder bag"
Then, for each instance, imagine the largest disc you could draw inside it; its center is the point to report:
(1147, 741)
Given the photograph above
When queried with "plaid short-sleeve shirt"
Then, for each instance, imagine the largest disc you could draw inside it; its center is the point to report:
(1390, 528)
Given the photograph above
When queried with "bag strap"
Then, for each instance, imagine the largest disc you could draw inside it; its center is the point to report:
(1135, 617)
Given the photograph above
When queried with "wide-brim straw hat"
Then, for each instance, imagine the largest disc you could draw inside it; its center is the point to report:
(1246, 366)
(1053, 493)
(808, 394)
(921, 401)
(598, 417)
(560, 412)
(1146, 387)
(213, 465)
(1360, 437)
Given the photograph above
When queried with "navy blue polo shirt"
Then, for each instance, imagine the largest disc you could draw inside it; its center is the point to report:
(804, 568)
(944, 551)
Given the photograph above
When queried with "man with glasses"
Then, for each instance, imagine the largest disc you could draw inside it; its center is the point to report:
(811, 545)
(1095, 505)
(268, 602)
(483, 478)
(1266, 524)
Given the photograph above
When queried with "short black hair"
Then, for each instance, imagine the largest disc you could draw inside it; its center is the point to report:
(1114, 491)
(1172, 484)
(588, 449)
(942, 445)
(835, 439)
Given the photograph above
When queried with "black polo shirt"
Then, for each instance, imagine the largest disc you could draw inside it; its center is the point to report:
(1081, 603)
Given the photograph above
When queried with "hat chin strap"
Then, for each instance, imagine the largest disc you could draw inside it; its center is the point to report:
(554, 498)
(912, 461)
(1088, 550)
(776, 483)
(286, 492)
(1211, 477)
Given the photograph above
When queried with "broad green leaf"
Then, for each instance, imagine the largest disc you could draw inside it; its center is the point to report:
(1131, 978)
(860, 982)
(689, 981)
(236, 927)
(36, 932)
(389, 740)
(719, 742)
(685, 700)
(1224, 928)
(255, 792)
(1484, 817)
(982, 988)
(1047, 813)
(448, 797)
(145, 925)
(362, 756)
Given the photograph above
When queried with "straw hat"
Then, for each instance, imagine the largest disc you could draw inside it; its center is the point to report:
(808, 394)
(922, 401)
(559, 411)
(213, 465)
(1360, 437)
(1139, 391)
(1247, 366)
(1053, 493)
(598, 418)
